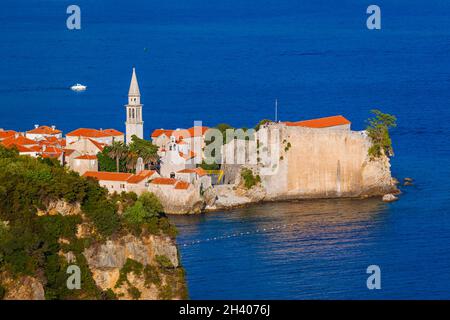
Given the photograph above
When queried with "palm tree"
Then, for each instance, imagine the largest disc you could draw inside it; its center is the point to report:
(118, 150)
(140, 148)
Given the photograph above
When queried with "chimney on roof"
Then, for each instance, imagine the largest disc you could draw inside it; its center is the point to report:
(36, 126)
(53, 127)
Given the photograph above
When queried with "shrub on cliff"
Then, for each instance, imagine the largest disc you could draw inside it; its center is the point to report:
(261, 123)
(147, 214)
(378, 131)
(146, 207)
(250, 180)
(31, 244)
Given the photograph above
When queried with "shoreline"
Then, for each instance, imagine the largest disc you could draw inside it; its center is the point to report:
(394, 191)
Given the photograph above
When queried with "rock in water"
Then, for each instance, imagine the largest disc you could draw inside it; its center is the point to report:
(389, 197)
(408, 182)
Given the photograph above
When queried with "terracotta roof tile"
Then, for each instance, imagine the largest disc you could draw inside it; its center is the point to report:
(68, 152)
(200, 171)
(19, 140)
(44, 130)
(167, 181)
(113, 132)
(320, 122)
(93, 133)
(108, 176)
(19, 148)
(86, 157)
(99, 145)
(7, 134)
(144, 174)
(159, 132)
(182, 185)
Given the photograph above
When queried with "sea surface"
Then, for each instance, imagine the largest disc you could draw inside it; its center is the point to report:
(227, 61)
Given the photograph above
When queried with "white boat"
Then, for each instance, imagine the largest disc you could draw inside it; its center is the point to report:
(78, 87)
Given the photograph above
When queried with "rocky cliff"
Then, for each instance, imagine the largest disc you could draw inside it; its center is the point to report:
(124, 266)
(310, 163)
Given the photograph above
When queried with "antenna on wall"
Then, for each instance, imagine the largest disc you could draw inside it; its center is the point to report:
(276, 110)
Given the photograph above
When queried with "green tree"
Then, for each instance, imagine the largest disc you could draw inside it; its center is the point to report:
(144, 209)
(118, 150)
(264, 121)
(140, 148)
(223, 127)
(378, 131)
(250, 180)
(106, 163)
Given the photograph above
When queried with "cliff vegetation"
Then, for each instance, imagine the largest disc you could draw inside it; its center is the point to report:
(51, 218)
(378, 131)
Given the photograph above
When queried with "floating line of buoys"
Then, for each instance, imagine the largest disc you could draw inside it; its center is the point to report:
(235, 235)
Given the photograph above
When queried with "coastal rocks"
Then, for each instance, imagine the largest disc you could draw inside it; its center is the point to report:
(210, 197)
(408, 182)
(227, 197)
(22, 288)
(181, 201)
(389, 198)
(106, 261)
(114, 253)
(376, 177)
(60, 207)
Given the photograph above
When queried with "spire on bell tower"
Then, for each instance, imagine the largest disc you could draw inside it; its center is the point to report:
(134, 95)
(134, 124)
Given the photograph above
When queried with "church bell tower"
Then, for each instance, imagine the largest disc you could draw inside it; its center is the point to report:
(134, 124)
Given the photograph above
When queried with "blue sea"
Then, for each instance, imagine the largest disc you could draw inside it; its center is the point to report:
(227, 61)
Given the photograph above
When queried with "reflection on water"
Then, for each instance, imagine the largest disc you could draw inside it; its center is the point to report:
(279, 250)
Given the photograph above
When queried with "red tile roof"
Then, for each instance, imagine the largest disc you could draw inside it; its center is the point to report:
(86, 157)
(52, 139)
(44, 130)
(113, 132)
(182, 185)
(51, 149)
(108, 176)
(35, 148)
(68, 152)
(200, 171)
(159, 132)
(181, 133)
(94, 133)
(19, 140)
(197, 131)
(100, 146)
(144, 174)
(320, 122)
(19, 148)
(167, 181)
(7, 134)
